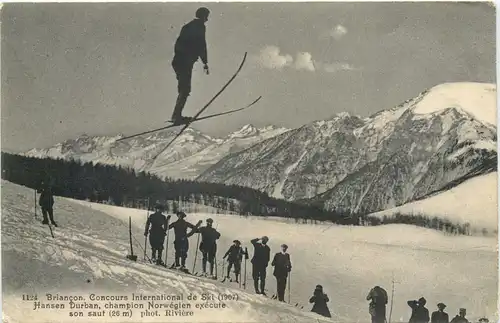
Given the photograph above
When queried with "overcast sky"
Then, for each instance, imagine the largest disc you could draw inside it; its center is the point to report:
(100, 68)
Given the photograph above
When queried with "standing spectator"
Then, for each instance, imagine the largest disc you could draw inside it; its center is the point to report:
(282, 266)
(440, 316)
(460, 318)
(377, 307)
(260, 261)
(419, 313)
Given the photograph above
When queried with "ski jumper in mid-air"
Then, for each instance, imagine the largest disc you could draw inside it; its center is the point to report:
(189, 47)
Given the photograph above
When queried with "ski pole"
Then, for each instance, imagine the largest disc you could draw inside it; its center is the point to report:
(35, 202)
(196, 252)
(392, 298)
(289, 286)
(246, 258)
(223, 272)
(214, 263)
(166, 247)
(239, 280)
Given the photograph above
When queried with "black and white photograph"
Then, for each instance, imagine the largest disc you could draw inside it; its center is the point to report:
(249, 162)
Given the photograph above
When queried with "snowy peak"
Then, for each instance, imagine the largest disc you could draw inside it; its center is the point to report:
(187, 157)
(476, 99)
(245, 131)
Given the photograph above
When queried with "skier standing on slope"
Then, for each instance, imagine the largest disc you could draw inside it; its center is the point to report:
(190, 45)
(440, 316)
(377, 307)
(181, 243)
(158, 224)
(260, 261)
(419, 313)
(234, 257)
(46, 202)
(320, 299)
(282, 266)
(208, 245)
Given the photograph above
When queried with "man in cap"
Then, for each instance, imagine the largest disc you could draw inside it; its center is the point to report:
(419, 313)
(156, 225)
(190, 45)
(440, 316)
(282, 266)
(208, 245)
(234, 257)
(181, 243)
(378, 302)
(260, 261)
(460, 318)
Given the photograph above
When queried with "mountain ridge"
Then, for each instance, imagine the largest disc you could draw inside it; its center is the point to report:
(369, 164)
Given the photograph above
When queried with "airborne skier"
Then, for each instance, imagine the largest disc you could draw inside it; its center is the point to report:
(208, 245)
(181, 243)
(190, 45)
(158, 223)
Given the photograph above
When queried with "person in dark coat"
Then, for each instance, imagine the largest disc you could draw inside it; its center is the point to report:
(181, 243)
(460, 318)
(208, 245)
(440, 316)
(190, 45)
(419, 313)
(46, 202)
(260, 261)
(234, 257)
(282, 266)
(378, 301)
(320, 299)
(156, 226)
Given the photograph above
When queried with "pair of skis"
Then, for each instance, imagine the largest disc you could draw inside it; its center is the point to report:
(196, 116)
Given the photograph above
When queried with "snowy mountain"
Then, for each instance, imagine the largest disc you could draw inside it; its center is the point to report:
(88, 256)
(444, 135)
(474, 201)
(188, 156)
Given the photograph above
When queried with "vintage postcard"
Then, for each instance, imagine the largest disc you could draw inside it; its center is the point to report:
(249, 162)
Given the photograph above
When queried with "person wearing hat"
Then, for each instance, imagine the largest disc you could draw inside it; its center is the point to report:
(260, 261)
(189, 47)
(234, 257)
(282, 266)
(460, 318)
(378, 302)
(181, 243)
(320, 299)
(208, 245)
(419, 313)
(440, 316)
(156, 226)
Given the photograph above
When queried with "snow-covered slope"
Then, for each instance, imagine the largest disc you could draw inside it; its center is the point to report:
(87, 257)
(191, 154)
(477, 99)
(395, 156)
(473, 201)
(92, 241)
